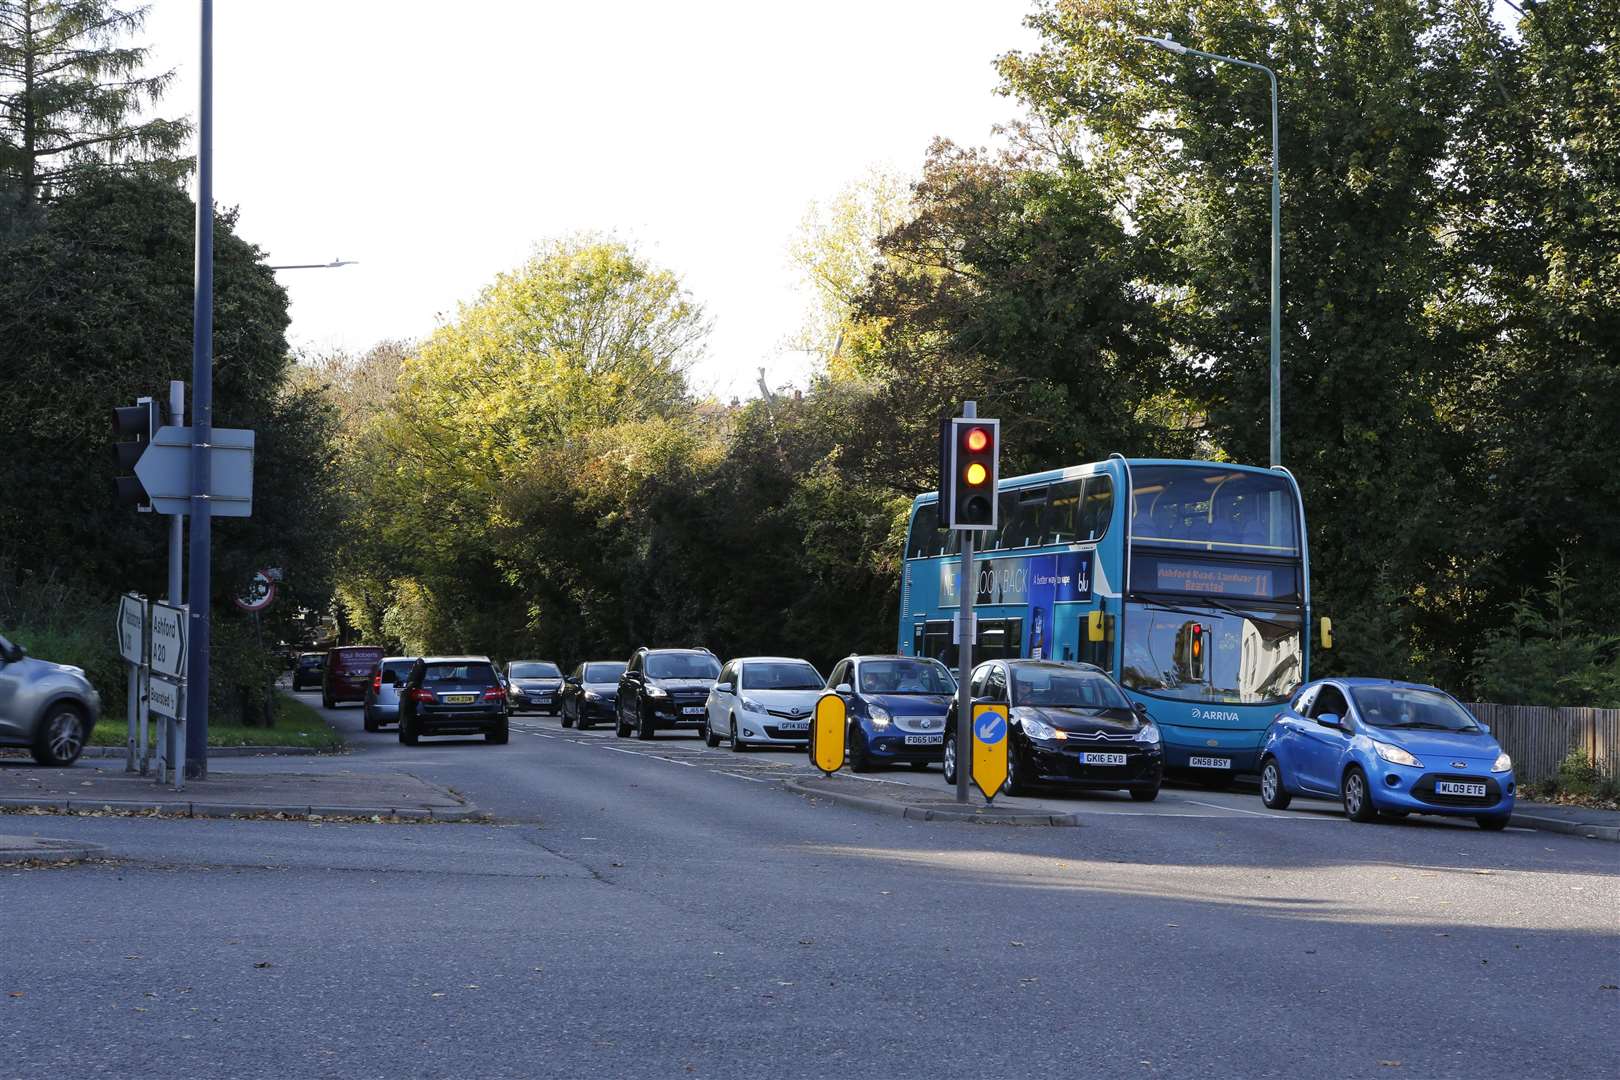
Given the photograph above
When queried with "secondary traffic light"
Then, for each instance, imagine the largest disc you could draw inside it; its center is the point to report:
(133, 425)
(1192, 650)
(970, 466)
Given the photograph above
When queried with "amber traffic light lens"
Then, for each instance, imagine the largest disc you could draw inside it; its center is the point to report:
(977, 439)
(977, 474)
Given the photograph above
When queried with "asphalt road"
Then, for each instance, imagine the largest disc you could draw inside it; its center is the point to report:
(661, 910)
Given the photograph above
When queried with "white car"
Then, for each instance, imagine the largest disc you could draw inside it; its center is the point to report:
(763, 701)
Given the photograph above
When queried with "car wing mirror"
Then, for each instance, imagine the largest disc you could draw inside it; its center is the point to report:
(1139, 708)
(724, 687)
(843, 688)
(1331, 719)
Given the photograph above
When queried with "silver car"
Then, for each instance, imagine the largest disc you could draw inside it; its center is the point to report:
(382, 696)
(49, 708)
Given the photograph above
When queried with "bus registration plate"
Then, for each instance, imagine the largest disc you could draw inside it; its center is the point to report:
(1209, 762)
(1102, 759)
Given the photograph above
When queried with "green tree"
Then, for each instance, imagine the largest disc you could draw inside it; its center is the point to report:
(69, 92)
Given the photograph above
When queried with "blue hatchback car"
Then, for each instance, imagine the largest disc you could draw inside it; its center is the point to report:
(897, 707)
(1389, 748)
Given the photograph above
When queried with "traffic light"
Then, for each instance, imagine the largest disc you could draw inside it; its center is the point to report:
(970, 467)
(1192, 650)
(133, 425)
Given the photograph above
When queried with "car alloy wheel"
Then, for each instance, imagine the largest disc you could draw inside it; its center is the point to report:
(1357, 802)
(737, 745)
(1272, 792)
(61, 739)
(948, 762)
(1015, 781)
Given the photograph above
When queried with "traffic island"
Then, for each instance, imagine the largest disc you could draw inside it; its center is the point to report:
(31, 850)
(375, 797)
(919, 804)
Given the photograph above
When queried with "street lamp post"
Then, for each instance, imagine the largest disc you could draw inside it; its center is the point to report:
(315, 266)
(1276, 234)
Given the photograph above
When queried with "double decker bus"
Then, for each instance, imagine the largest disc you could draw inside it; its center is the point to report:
(1188, 581)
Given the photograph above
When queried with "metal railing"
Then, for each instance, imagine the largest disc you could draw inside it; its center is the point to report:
(1539, 737)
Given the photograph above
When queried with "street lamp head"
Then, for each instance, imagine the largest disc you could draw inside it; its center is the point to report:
(1167, 44)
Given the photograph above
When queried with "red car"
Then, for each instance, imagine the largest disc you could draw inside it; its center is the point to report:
(349, 669)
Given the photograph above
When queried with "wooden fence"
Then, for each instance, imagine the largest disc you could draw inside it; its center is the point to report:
(1538, 737)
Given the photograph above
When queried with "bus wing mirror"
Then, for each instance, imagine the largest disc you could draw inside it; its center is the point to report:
(1326, 634)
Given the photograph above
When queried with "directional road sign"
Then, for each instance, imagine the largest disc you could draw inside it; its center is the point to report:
(163, 697)
(169, 640)
(827, 737)
(132, 628)
(989, 748)
(164, 470)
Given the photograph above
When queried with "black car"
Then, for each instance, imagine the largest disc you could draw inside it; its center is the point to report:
(311, 670)
(453, 695)
(591, 692)
(1068, 724)
(664, 688)
(534, 684)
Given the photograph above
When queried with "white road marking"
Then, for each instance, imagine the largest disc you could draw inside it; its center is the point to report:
(739, 776)
(1240, 810)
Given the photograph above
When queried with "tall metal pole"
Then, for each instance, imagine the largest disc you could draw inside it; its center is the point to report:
(1276, 232)
(177, 522)
(1276, 285)
(966, 589)
(202, 414)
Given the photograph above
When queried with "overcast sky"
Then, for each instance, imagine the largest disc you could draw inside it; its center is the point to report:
(436, 143)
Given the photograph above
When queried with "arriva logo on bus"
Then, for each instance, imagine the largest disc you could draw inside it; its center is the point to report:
(1214, 714)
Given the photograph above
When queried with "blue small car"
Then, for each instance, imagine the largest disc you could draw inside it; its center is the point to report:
(897, 707)
(1386, 747)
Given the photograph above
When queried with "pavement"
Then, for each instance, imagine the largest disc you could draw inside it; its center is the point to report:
(30, 849)
(90, 789)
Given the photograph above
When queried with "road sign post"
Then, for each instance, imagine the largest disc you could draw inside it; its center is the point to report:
(132, 647)
(990, 749)
(167, 689)
(970, 468)
(828, 732)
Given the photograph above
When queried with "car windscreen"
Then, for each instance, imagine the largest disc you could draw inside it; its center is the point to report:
(772, 675)
(478, 674)
(311, 661)
(1055, 688)
(905, 677)
(535, 670)
(682, 666)
(603, 673)
(1410, 707)
(396, 673)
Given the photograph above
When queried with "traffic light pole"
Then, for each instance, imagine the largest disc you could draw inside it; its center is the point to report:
(202, 413)
(966, 589)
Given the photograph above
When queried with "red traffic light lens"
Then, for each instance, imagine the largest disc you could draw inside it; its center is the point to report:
(977, 439)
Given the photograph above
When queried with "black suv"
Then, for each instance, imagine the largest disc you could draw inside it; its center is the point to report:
(664, 688)
(453, 695)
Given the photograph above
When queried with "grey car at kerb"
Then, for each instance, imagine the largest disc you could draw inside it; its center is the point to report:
(49, 708)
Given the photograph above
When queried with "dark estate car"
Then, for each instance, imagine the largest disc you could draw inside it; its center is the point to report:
(591, 693)
(896, 707)
(1069, 724)
(309, 671)
(453, 695)
(664, 688)
(534, 684)
(349, 671)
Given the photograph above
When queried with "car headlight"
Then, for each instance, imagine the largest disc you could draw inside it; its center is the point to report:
(1396, 755)
(592, 695)
(880, 716)
(1149, 733)
(751, 706)
(656, 691)
(1039, 729)
(1503, 763)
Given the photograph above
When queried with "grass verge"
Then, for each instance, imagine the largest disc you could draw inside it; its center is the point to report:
(296, 724)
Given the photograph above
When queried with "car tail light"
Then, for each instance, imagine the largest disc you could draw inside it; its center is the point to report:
(424, 696)
(495, 693)
(376, 682)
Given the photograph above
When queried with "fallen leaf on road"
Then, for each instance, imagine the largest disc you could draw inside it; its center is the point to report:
(1390, 1064)
(1605, 986)
(262, 964)
(1016, 944)
(19, 993)
(807, 941)
(440, 994)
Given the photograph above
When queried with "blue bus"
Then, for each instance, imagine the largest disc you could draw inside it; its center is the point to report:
(1188, 581)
